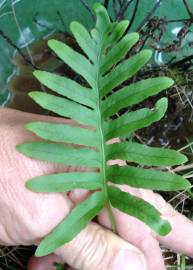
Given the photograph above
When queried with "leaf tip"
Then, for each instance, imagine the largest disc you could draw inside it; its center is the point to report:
(18, 147)
(31, 185)
(52, 43)
(136, 36)
(165, 227)
(21, 148)
(29, 126)
(97, 6)
(187, 185)
(40, 251)
(73, 25)
(162, 105)
(28, 184)
(34, 94)
(170, 82)
(148, 53)
(163, 101)
(183, 158)
(38, 74)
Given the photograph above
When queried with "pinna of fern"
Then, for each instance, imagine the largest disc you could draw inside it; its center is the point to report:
(104, 67)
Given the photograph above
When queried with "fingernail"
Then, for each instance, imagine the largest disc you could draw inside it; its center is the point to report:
(129, 260)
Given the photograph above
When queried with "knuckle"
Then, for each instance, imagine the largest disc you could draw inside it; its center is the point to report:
(46, 213)
(91, 249)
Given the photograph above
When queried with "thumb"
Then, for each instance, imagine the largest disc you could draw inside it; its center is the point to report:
(97, 248)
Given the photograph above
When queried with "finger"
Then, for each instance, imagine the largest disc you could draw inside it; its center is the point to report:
(78, 195)
(134, 231)
(10, 116)
(180, 238)
(12, 128)
(43, 263)
(97, 248)
(181, 235)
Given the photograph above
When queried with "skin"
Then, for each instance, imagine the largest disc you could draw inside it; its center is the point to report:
(29, 216)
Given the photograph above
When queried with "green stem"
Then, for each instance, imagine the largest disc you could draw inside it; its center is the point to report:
(103, 169)
(112, 217)
(102, 142)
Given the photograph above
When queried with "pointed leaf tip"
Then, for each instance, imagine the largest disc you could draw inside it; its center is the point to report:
(29, 185)
(38, 73)
(34, 94)
(28, 126)
(35, 73)
(19, 147)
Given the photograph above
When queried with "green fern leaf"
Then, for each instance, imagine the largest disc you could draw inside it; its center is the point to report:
(59, 153)
(63, 133)
(77, 220)
(140, 209)
(67, 88)
(103, 69)
(145, 155)
(65, 182)
(65, 107)
(146, 178)
(135, 120)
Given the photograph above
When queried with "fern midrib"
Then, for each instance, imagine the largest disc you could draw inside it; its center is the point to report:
(102, 139)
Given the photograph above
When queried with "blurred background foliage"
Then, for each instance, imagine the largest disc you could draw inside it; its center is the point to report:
(23, 22)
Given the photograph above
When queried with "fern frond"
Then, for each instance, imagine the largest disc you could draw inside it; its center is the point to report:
(103, 69)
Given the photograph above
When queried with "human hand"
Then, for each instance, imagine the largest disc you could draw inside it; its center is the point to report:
(28, 216)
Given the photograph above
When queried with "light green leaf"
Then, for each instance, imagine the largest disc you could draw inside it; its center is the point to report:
(64, 133)
(74, 223)
(118, 52)
(66, 87)
(73, 59)
(133, 121)
(134, 93)
(140, 209)
(118, 30)
(59, 153)
(103, 21)
(65, 107)
(124, 71)
(142, 154)
(84, 39)
(65, 182)
(146, 178)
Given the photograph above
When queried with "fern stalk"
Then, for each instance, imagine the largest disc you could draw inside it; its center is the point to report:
(97, 66)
